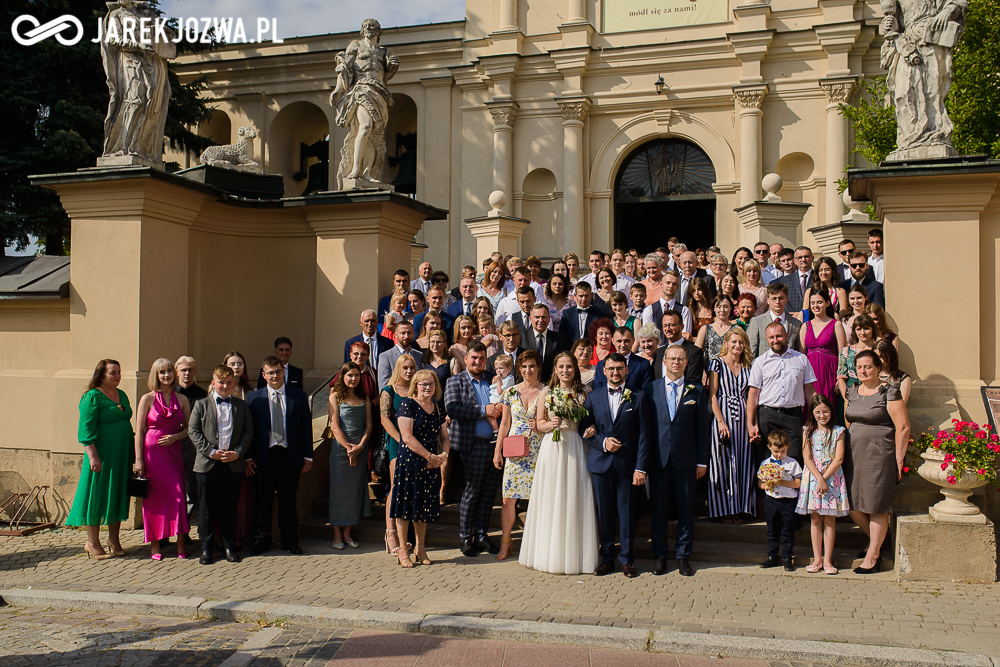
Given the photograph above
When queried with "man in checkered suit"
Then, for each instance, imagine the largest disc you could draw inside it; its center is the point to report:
(467, 402)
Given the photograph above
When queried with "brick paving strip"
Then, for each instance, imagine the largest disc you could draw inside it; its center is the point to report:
(723, 610)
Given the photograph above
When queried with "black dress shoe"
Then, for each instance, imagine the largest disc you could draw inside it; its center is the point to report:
(468, 549)
(484, 544)
(292, 549)
(789, 564)
(604, 568)
(630, 571)
(770, 561)
(232, 556)
(684, 567)
(206, 558)
(869, 570)
(660, 567)
(259, 547)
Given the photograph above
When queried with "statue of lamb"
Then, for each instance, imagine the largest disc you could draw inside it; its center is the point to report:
(236, 154)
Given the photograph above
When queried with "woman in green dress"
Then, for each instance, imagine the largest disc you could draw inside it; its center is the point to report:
(106, 434)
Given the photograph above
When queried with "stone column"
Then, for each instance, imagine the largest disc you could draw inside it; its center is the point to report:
(838, 90)
(577, 11)
(749, 99)
(574, 110)
(503, 145)
(508, 14)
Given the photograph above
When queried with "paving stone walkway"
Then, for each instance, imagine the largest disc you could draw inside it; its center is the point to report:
(732, 600)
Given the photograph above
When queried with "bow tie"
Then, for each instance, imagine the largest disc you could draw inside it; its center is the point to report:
(583, 310)
(223, 400)
(615, 390)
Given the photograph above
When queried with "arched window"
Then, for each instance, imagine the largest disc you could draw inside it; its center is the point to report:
(665, 168)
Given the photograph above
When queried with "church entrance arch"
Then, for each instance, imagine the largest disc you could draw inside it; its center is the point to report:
(664, 189)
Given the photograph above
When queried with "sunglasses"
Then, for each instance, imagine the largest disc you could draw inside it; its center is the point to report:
(858, 266)
(760, 252)
(845, 253)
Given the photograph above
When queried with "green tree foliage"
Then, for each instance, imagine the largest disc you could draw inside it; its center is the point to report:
(53, 99)
(974, 100)
(874, 121)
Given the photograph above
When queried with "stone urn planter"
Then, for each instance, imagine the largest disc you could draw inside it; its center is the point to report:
(955, 508)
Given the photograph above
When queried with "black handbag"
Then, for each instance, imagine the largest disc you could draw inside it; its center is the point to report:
(380, 459)
(138, 487)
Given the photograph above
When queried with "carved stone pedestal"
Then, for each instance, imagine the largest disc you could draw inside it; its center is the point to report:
(772, 222)
(930, 551)
(365, 184)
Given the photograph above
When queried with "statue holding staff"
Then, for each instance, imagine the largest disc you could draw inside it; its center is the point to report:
(362, 101)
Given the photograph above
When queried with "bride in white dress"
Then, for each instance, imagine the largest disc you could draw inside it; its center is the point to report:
(560, 531)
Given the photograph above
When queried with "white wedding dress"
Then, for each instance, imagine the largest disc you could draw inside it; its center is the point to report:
(560, 531)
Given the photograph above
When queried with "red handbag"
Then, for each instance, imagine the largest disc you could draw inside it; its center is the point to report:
(515, 445)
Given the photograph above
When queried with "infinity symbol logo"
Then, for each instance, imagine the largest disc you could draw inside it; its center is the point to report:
(46, 30)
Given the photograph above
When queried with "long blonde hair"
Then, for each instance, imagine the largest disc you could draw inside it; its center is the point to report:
(397, 370)
(746, 359)
(153, 381)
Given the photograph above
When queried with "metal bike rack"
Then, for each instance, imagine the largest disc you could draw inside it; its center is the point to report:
(17, 505)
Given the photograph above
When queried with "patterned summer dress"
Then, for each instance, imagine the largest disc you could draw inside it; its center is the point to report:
(834, 502)
(519, 471)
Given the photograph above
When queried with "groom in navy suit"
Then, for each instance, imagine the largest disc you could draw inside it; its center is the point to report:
(618, 458)
(677, 413)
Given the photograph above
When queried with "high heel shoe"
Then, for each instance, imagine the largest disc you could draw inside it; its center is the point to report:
(117, 552)
(157, 557)
(869, 570)
(423, 560)
(393, 551)
(89, 548)
(503, 541)
(405, 562)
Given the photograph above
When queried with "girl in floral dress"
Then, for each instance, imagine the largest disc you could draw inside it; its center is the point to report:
(823, 494)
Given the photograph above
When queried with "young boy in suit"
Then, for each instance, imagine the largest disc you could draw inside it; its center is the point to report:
(221, 430)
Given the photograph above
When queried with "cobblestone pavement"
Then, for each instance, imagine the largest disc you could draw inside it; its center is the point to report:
(65, 638)
(732, 600)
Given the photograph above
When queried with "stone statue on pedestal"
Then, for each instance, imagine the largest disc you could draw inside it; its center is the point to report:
(919, 37)
(362, 101)
(136, 66)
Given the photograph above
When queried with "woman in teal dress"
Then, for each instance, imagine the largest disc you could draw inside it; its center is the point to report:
(518, 419)
(105, 431)
(351, 423)
(392, 396)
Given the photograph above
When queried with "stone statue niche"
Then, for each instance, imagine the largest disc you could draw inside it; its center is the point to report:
(317, 173)
(139, 87)
(406, 159)
(362, 101)
(919, 38)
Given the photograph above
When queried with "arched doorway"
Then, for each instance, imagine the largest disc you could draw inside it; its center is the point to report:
(664, 189)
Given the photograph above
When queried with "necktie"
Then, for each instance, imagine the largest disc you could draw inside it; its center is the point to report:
(468, 308)
(222, 400)
(541, 344)
(803, 277)
(671, 400)
(427, 286)
(372, 353)
(277, 420)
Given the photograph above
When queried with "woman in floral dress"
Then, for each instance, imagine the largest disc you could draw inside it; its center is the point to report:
(519, 404)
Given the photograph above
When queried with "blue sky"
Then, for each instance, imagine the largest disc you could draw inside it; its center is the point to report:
(312, 17)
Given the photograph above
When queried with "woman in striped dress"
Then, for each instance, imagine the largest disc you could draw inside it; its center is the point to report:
(730, 470)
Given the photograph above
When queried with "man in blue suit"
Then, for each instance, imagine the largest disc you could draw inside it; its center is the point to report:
(400, 280)
(377, 344)
(640, 371)
(282, 449)
(573, 324)
(618, 458)
(467, 290)
(678, 418)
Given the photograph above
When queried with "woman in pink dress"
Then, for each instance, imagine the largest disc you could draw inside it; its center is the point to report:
(822, 338)
(161, 426)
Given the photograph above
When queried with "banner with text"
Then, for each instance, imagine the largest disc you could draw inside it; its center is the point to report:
(625, 15)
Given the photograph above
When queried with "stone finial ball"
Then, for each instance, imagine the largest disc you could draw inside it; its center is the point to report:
(771, 183)
(498, 200)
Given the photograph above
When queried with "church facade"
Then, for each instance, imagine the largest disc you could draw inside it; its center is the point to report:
(607, 123)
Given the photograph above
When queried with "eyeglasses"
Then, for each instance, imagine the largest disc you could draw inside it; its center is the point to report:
(426, 385)
(510, 336)
(441, 280)
(858, 266)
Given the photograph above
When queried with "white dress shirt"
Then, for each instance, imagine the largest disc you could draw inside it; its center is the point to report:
(878, 266)
(684, 290)
(623, 284)
(224, 421)
(781, 378)
(590, 279)
(506, 309)
(284, 415)
(372, 343)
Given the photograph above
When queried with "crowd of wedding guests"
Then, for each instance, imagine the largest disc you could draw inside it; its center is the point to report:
(574, 391)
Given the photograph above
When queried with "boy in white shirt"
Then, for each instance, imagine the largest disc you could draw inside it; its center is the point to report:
(780, 501)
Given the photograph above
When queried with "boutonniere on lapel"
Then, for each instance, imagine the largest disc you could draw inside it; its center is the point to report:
(688, 388)
(626, 396)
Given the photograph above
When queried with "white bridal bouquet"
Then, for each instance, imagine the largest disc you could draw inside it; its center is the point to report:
(563, 404)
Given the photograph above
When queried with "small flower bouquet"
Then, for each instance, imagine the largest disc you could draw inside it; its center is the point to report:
(563, 404)
(769, 475)
(969, 447)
